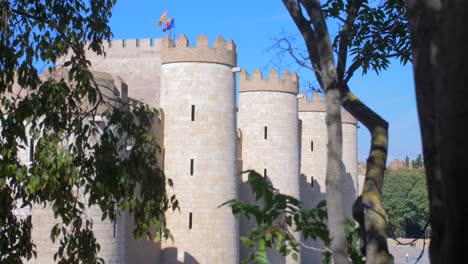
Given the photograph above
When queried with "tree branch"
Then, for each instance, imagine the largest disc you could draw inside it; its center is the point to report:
(357, 63)
(344, 34)
(22, 13)
(321, 250)
(308, 33)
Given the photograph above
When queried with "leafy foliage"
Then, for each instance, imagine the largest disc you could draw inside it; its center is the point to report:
(380, 32)
(405, 199)
(278, 216)
(418, 162)
(77, 163)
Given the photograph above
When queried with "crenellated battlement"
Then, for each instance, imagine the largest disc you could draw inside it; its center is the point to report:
(318, 104)
(314, 105)
(222, 52)
(288, 82)
(131, 44)
(128, 48)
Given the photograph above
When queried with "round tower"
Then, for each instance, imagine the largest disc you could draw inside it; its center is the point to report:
(268, 119)
(350, 160)
(198, 99)
(314, 139)
(314, 152)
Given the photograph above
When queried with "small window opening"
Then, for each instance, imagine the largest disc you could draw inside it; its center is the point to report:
(193, 112)
(311, 145)
(31, 149)
(312, 181)
(191, 166)
(114, 229)
(266, 132)
(265, 173)
(190, 221)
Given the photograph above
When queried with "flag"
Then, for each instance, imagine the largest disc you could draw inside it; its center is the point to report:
(169, 24)
(162, 19)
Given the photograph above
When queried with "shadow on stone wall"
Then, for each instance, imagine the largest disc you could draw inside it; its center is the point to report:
(142, 251)
(349, 191)
(169, 256)
(311, 195)
(246, 196)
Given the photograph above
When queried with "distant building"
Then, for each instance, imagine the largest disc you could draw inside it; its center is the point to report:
(400, 164)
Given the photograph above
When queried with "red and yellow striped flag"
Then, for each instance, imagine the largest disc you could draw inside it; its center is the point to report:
(162, 19)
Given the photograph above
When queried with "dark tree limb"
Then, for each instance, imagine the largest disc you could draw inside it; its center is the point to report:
(368, 210)
(438, 37)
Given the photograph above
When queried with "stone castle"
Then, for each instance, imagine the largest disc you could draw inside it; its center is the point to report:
(207, 140)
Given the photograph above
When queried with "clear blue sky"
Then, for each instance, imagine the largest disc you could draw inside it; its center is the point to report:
(252, 25)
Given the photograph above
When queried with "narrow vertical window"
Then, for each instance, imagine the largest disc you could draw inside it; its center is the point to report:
(312, 181)
(193, 112)
(191, 166)
(31, 149)
(311, 145)
(114, 229)
(190, 220)
(266, 132)
(265, 173)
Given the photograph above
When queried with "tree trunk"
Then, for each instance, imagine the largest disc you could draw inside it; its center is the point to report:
(321, 54)
(368, 210)
(333, 183)
(438, 29)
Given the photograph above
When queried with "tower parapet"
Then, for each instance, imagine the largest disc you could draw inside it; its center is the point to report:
(319, 105)
(222, 52)
(288, 83)
(127, 48)
(314, 105)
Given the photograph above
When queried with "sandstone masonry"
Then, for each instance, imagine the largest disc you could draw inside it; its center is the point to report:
(207, 141)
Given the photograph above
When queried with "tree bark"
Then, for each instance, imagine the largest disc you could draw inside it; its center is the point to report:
(367, 209)
(334, 183)
(320, 50)
(438, 30)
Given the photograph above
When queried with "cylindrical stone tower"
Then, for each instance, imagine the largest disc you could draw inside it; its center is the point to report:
(314, 152)
(198, 99)
(268, 119)
(314, 139)
(350, 181)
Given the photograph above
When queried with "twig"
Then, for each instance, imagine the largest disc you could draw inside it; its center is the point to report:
(322, 250)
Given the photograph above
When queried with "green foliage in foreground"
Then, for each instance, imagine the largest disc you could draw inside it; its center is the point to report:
(405, 200)
(76, 163)
(278, 216)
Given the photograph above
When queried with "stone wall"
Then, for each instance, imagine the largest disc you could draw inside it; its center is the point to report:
(137, 61)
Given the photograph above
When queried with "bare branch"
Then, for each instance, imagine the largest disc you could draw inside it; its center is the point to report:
(321, 250)
(308, 33)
